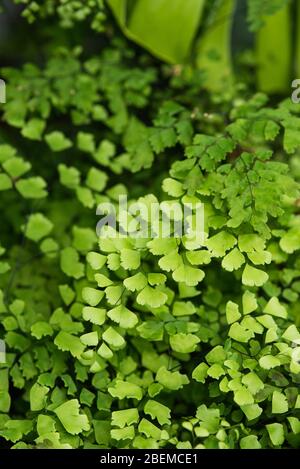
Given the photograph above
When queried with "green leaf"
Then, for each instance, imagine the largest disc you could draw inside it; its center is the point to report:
(161, 246)
(92, 296)
(96, 180)
(69, 262)
(94, 315)
(213, 53)
(210, 418)
(232, 312)
(151, 330)
(70, 417)
(85, 196)
(5, 182)
(252, 411)
(171, 380)
(5, 400)
(86, 142)
(220, 243)
(271, 336)
(105, 152)
(271, 130)
(57, 141)
(103, 281)
(6, 152)
(250, 442)
(84, 238)
(243, 397)
(41, 329)
(150, 430)
(16, 167)
(274, 308)
(135, 283)
(113, 261)
(216, 371)
(279, 403)
(249, 302)
(122, 418)
(113, 338)
(123, 316)
(126, 433)
(136, 142)
(188, 275)
(200, 373)
(198, 257)
(233, 261)
(114, 294)
(275, 28)
(250, 323)
(172, 187)
(290, 242)
(17, 307)
(156, 279)
(170, 262)
(151, 297)
(69, 343)
(164, 19)
(181, 308)
(130, 259)
(17, 341)
(251, 243)
(45, 424)
(67, 294)
(268, 362)
(260, 257)
(33, 129)
(253, 382)
(292, 334)
(102, 432)
(295, 424)
(69, 176)
(105, 352)
(216, 355)
(239, 333)
(49, 247)
(124, 389)
(291, 140)
(158, 411)
(15, 429)
(90, 339)
(87, 397)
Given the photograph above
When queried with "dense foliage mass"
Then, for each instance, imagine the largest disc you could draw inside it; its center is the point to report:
(126, 342)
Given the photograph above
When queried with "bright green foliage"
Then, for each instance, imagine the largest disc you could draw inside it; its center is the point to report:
(150, 342)
(259, 11)
(71, 419)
